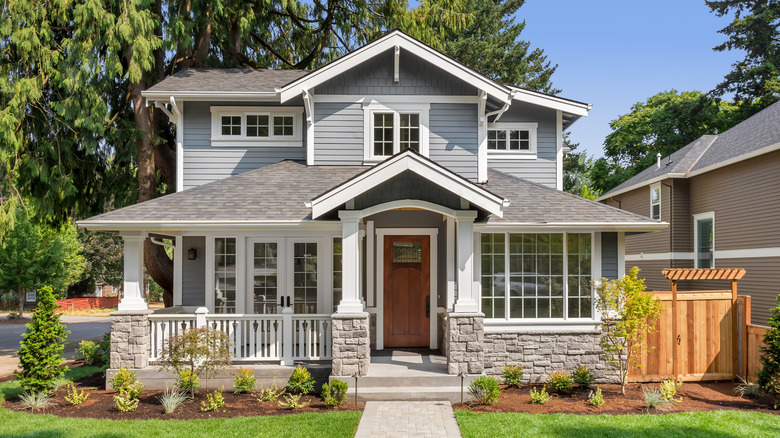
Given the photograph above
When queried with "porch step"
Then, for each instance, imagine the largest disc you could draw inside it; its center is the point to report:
(409, 388)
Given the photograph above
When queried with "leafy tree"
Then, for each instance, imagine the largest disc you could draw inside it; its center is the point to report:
(34, 255)
(755, 30)
(103, 253)
(628, 315)
(769, 374)
(576, 167)
(202, 351)
(40, 351)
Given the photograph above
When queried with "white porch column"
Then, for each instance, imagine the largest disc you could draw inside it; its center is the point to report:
(133, 286)
(467, 293)
(351, 300)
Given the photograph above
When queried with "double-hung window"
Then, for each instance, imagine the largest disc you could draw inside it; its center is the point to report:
(256, 126)
(536, 276)
(512, 140)
(392, 129)
(704, 240)
(655, 201)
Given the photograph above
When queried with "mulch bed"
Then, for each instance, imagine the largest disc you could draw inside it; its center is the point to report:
(705, 396)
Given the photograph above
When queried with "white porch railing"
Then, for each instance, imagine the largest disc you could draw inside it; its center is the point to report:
(282, 337)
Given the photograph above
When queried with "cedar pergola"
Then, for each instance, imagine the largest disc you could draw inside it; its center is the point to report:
(675, 275)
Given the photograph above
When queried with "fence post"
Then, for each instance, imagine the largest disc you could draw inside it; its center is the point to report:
(675, 334)
(287, 336)
(735, 331)
(200, 316)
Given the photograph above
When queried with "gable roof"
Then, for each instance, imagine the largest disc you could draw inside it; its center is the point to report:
(250, 82)
(757, 135)
(394, 166)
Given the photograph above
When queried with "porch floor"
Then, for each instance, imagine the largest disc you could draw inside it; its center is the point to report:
(407, 362)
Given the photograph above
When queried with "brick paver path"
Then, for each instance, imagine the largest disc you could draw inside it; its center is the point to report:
(427, 419)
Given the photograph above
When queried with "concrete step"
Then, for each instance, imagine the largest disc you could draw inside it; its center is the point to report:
(448, 393)
(418, 381)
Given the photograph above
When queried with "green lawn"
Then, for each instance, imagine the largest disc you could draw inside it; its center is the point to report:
(717, 424)
(10, 390)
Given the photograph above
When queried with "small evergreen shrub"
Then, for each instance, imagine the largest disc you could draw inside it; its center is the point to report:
(513, 375)
(559, 382)
(485, 390)
(187, 380)
(214, 400)
(270, 394)
(292, 401)
(540, 397)
(745, 388)
(769, 374)
(301, 381)
(172, 399)
(76, 397)
(669, 389)
(655, 400)
(244, 381)
(126, 381)
(336, 393)
(583, 377)
(40, 351)
(35, 401)
(597, 399)
(125, 403)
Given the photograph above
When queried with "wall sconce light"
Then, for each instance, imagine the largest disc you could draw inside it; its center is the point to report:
(192, 254)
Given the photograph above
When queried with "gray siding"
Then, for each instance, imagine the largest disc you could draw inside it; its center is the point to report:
(407, 185)
(204, 164)
(454, 137)
(416, 77)
(542, 170)
(338, 134)
(193, 273)
(609, 255)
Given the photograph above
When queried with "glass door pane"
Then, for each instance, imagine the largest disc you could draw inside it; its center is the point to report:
(225, 275)
(305, 277)
(704, 247)
(265, 276)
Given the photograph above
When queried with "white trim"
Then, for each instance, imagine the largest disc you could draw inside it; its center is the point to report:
(554, 102)
(451, 249)
(281, 267)
(242, 140)
(383, 44)
(482, 160)
(551, 326)
(153, 96)
(408, 203)
(747, 253)
(696, 218)
(395, 98)
(178, 253)
(308, 105)
(529, 154)
(659, 256)
(536, 227)
(621, 249)
(380, 275)
(559, 150)
(660, 200)
(370, 266)
(371, 107)
(659, 178)
(396, 165)
(185, 226)
(322, 276)
(396, 62)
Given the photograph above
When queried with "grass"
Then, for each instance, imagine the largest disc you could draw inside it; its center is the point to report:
(331, 424)
(717, 424)
(11, 390)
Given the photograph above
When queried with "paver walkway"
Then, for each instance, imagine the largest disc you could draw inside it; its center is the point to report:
(408, 419)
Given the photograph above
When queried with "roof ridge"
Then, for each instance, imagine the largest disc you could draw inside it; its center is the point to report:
(706, 148)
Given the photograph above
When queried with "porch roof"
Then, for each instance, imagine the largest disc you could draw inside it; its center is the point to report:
(276, 195)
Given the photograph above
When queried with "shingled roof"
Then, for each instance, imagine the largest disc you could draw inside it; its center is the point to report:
(278, 192)
(227, 80)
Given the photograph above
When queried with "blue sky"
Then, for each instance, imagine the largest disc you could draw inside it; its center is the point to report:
(613, 54)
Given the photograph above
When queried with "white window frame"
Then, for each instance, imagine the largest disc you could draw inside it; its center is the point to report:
(369, 108)
(219, 140)
(281, 269)
(530, 154)
(653, 187)
(696, 219)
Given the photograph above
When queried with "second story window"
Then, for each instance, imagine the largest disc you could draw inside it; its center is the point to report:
(511, 140)
(231, 125)
(655, 201)
(390, 130)
(256, 126)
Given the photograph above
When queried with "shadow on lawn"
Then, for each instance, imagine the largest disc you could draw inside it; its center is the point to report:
(665, 431)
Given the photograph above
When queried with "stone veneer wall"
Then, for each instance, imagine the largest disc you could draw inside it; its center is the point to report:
(542, 353)
(130, 339)
(351, 344)
(372, 330)
(465, 343)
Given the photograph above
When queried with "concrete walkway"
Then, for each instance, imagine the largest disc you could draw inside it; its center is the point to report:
(408, 419)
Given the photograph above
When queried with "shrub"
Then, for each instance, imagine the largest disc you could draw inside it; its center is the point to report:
(655, 400)
(125, 403)
(301, 381)
(104, 351)
(270, 394)
(559, 382)
(485, 390)
(35, 400)
(76, 397)
(513, 375)
(669, 389)
(88, 350)
(597, 398)
(769, 374)
(172, 399)
(336, 393)
(583, 377)
(292, 401)
(750, 389)
(40, 351)
(126, 381)
(244, 381)
(540, 397)
(187, 381)
(202, 351)
(214, 400)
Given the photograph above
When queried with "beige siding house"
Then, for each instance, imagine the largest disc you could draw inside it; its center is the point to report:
(720, 196)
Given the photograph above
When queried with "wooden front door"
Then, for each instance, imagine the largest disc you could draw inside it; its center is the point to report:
(407, 281)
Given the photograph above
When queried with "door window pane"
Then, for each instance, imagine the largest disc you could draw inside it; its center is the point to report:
(704, 243)
(265, 277)
(283, 125)
(410, 132)
(231, 125)
(225, 275)
(305, 277)
(407, 252)
(383, 134)
(256, 126)
(337, 271)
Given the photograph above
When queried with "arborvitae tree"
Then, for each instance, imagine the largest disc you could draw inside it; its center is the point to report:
(769, 375)
(40, 351)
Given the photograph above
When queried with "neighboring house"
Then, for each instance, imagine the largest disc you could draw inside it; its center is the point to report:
(392, 198)
(721, 198)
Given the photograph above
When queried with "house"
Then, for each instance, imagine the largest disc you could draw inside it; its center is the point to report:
(392, 198)
(719, 195)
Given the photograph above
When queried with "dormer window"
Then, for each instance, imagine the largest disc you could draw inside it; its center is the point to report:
(256, 126)
(655, 201)
(512, 140)
(395, 128)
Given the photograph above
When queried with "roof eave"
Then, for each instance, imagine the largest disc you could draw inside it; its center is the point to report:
(584, 226)
(210, 95)
(612, 194)
(572, 107)
(176, 226)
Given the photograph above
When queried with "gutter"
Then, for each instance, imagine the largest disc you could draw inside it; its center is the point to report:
(612, 194)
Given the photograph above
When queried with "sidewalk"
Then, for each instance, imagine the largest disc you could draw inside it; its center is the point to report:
(408, 419)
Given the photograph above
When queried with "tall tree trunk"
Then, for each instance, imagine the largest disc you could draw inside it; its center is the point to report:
(21, 303)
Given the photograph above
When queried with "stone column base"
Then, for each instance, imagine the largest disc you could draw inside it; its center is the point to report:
(464, 336)
(130, 342)
(351, 344)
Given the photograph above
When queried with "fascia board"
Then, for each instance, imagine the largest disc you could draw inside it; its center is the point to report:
(209, 95)
(572, 226)
(552, 102)
(640, 185)
(148, 225)
(743, 157)
(367, 52)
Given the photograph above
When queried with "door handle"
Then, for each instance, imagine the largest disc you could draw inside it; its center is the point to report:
(428, 306)
(288, 301)
(281, 301)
